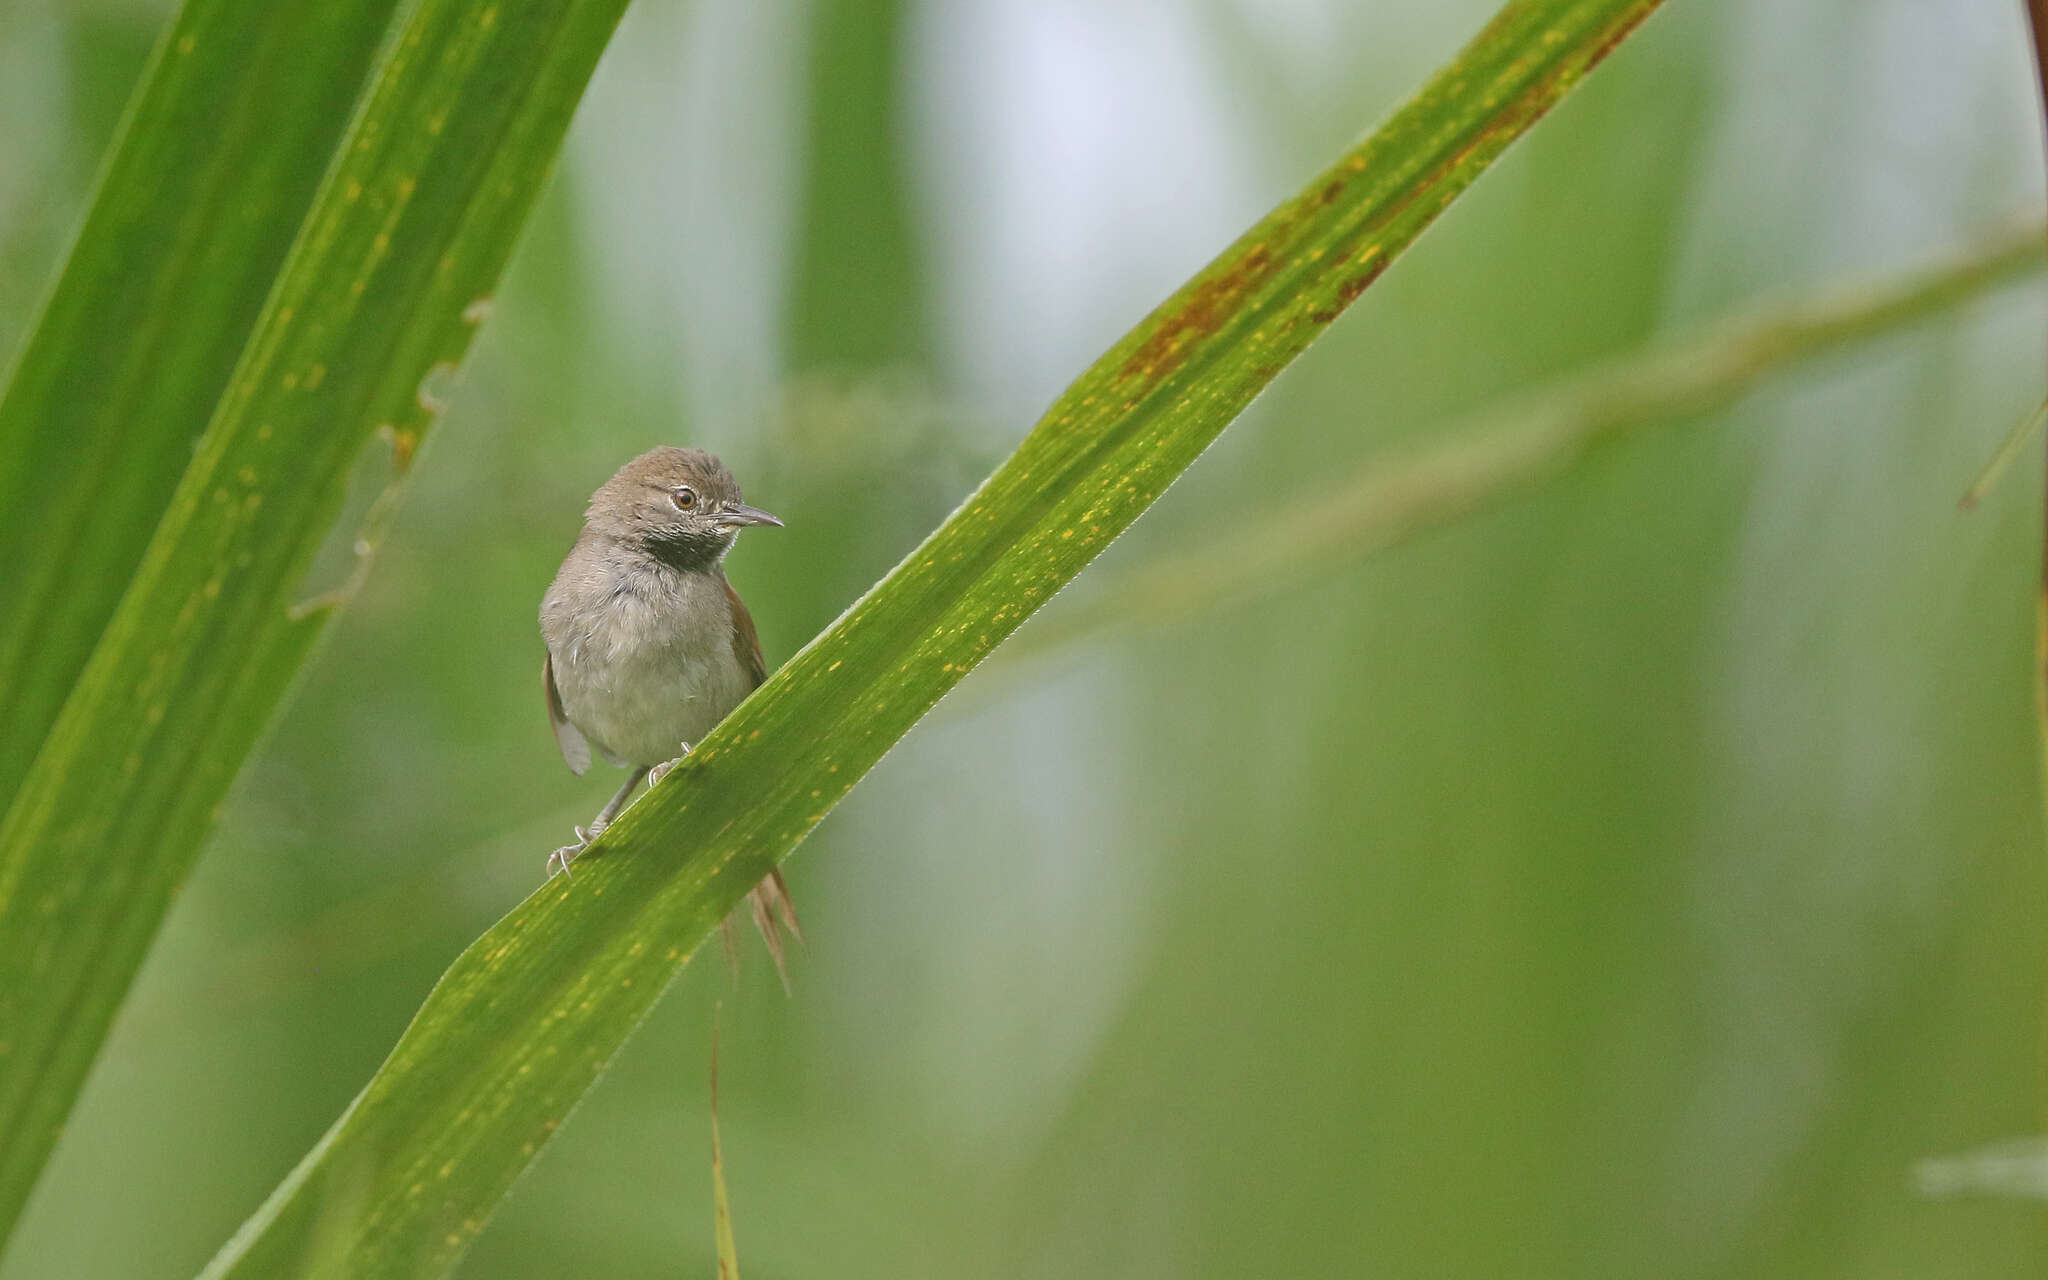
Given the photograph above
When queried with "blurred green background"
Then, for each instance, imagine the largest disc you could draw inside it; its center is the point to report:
(1635, 880)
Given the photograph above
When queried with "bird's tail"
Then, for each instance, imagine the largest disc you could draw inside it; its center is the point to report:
(773, 912)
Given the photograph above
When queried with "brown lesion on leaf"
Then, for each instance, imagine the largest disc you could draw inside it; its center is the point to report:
(1359, 283)
(1203, 312)
(1621, 32)
(404, 443)
(1348, 292)
(1218, 297)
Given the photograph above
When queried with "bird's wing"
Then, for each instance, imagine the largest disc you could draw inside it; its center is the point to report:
(567, 736)
(746, 642)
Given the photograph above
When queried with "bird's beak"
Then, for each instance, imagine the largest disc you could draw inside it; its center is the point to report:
(742, 516)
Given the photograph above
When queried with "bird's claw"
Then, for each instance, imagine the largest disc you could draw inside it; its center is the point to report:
(660, 771)
(559, 860)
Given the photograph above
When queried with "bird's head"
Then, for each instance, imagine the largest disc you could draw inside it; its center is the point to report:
(680, 505)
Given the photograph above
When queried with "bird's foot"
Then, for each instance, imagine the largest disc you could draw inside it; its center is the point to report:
(660, 771)
(559, 860)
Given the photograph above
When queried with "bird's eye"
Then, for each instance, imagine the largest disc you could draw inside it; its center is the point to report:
(684, 497)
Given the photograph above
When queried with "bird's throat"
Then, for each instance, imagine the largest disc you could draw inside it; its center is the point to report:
(687, 554)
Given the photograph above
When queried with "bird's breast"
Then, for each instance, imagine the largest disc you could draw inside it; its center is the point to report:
(644, 665)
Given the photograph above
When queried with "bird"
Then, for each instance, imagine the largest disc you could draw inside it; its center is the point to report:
(648, 645)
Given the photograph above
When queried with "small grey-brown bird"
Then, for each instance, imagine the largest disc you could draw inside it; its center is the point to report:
(648, 645)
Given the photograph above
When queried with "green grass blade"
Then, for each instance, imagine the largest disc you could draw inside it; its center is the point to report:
(462, 117)
(216, 165)
(721, 1203)
(524, 1021)
(2015, 443)
(1516, 446)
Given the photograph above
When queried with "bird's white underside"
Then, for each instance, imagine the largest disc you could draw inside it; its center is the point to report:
(651, 670)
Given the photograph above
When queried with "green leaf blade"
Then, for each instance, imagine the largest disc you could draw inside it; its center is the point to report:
(217, 163)
(410, 228)
(523, 1023)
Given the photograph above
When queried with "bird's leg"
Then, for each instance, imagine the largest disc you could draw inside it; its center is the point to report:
(584, 835)
(615, 804)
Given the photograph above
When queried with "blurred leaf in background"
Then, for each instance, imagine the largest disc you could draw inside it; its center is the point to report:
(1636, 880)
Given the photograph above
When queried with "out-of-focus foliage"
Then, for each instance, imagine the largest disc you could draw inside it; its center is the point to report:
(1637, 880)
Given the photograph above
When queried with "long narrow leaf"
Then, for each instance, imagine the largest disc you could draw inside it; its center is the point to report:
(523, 1023)
(216, 165)
(223, 147)
(721, 1204)
(461, 120)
